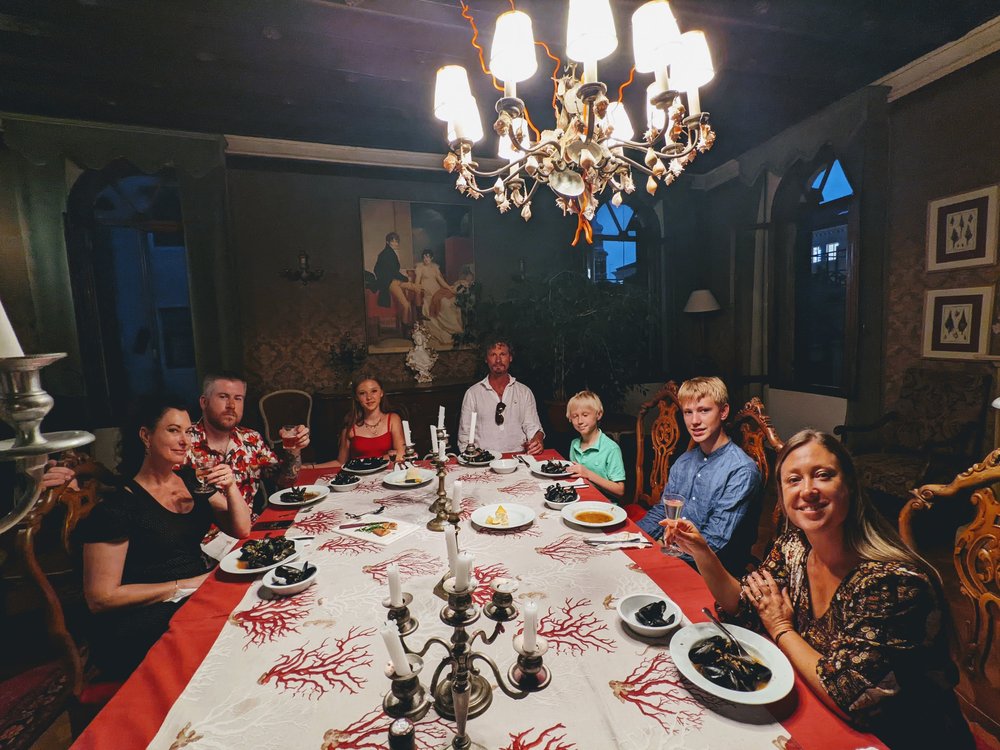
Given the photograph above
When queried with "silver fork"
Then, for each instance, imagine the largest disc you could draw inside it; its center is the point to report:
(636, 540)
(357, 517)
(725, 631)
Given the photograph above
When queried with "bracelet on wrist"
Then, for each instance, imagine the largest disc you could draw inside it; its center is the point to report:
(777, 636)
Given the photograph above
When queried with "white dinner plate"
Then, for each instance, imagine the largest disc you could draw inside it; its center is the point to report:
(362, 472)
(314, 493)
(782, 674)
(570, 511)
(537, 471)
(228, 564)
(518, 516)
(481, 464)
(398, 478)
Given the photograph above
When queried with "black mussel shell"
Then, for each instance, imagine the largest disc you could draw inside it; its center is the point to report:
(715, 660)
(651, 615)
(289, 574)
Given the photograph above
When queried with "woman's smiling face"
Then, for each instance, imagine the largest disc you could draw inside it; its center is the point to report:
(813, 491)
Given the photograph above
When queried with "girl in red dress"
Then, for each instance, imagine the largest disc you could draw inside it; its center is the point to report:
(372, 427)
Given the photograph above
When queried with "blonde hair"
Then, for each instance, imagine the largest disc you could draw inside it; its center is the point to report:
(585, 397)
(866, 532)
(702, 387)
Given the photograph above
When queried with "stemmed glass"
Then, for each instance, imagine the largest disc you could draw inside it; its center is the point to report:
(203, 464)
(672, 506)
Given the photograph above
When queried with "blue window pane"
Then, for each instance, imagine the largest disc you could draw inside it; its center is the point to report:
(837, 185)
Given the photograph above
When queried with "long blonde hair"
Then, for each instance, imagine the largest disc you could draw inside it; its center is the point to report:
(866, 532)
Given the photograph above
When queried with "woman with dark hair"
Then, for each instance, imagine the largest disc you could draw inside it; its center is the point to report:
(372, 427)
(141, 547)
(860, 615)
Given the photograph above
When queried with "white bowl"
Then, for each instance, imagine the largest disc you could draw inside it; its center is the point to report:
(504, 465)
(271, 581)
(345, 487)
(628, 606)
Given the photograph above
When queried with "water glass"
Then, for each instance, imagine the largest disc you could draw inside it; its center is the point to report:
(289, 436)
(672, 506)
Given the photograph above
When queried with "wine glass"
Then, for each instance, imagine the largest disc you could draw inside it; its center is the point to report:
(672, 506)
(203, 465)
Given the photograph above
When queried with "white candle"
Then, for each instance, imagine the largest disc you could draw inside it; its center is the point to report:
(395, 648)
(472, 429)
(434, 439)
(442, 444)
(451, 541)
(9, 346)
(463, 569)
(530, 626)
(395, 591)
(406, 433)
(441, 416)
(456, 496)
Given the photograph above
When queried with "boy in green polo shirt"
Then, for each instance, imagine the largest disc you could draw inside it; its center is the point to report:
(596, 457)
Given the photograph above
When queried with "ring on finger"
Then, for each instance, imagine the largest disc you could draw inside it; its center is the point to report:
(759, 597)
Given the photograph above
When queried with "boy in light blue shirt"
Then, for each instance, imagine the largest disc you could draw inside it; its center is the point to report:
(596, 457)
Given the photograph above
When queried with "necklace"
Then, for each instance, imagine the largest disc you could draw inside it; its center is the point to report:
(372, 427)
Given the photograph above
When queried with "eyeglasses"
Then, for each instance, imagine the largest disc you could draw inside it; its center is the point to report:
(498, 417)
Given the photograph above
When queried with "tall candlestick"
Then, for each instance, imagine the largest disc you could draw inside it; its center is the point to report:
(442, 444)
(434, 439)
(463, 569)
(530, 626)
(9, 346)
(441, 416)
(394, 646)
(456, 496)
(406, 433)
(395, 591)
(451, 542)
(472, 429)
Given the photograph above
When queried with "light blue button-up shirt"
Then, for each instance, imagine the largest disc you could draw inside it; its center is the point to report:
(718, 490)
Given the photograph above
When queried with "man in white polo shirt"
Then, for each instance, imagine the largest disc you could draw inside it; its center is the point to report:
(506, 417)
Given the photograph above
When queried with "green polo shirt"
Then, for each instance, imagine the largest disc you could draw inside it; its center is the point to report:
(604, 457)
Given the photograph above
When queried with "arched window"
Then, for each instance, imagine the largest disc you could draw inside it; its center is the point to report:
(614, 250)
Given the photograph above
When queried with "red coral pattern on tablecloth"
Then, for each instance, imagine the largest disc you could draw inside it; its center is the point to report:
(403, 498)
(313, 672)
(320, 522)
(572, 548)
(543, 740)
(486, 574)
(479, 477)
(411, 562)
(348, 546)
(657, 689)
(522, 488)
(574, 629)
(269, 620)
(516, 534)
(371, 730)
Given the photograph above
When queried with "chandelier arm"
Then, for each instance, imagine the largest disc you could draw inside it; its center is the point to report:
(636, 165)
(519, 163)
(692, 144)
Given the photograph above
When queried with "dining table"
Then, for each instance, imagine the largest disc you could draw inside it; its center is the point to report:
(242, 668)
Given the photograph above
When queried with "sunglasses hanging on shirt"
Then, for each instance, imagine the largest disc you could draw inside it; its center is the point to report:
(498, 416)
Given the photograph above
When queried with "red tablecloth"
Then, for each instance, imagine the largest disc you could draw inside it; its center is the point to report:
(135, 714)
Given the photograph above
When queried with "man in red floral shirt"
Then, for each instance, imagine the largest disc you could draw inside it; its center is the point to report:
(218, 432)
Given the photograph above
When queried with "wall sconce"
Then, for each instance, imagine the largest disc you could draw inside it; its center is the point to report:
(303, 273)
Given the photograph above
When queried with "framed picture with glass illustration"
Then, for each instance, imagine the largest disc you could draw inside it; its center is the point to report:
(418, 260)
(957, 322)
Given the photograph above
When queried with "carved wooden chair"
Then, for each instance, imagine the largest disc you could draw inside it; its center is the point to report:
(47, 559)
(278, 408)
(974, 575)
(751, 429)
(659, 429)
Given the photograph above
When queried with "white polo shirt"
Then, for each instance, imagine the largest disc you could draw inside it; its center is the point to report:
(520, 418)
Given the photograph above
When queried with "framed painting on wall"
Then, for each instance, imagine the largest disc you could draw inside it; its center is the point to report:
(962, 230)
(418, 258)
(957, 322)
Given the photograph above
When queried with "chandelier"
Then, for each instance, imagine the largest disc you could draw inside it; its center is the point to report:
(591, 146)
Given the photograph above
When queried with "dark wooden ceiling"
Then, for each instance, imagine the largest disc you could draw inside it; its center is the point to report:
(361, 72)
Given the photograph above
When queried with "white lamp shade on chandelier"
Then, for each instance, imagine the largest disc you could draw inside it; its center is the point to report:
(656, 39)
(512, 56)
(590, 32)
(450, 89)
(693, 67)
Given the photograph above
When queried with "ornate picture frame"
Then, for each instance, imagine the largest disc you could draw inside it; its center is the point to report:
(962, 230)
(957, 322)
(401, 286)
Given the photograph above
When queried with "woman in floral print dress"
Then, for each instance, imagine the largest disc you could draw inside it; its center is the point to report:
(861, 617)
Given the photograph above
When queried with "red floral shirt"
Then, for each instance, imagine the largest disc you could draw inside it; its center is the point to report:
(249, 456)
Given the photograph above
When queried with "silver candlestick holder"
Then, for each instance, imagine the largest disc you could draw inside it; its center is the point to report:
(23, 405)
(464, 693)
(441, 507)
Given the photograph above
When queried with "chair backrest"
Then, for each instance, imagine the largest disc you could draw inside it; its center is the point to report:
(283, 407)
(661, 435)
(751, 429)
(76, 504)
(975, 562)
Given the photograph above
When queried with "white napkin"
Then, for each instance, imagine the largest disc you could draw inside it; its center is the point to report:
(578, 482)
(219, 546)
(607, 541)
(181, 595)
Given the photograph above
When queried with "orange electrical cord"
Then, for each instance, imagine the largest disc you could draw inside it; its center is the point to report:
(555, 71)
(582, 223)
(621, 89)
(475, 35)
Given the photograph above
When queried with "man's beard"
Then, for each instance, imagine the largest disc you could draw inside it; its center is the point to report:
(218, 425)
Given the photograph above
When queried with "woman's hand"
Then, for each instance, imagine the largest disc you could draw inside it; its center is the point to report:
(221, 477)
(685, 535)
(193, 583)
(57, 476)
(771, 602)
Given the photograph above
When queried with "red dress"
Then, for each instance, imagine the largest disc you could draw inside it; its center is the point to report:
(366, 447)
